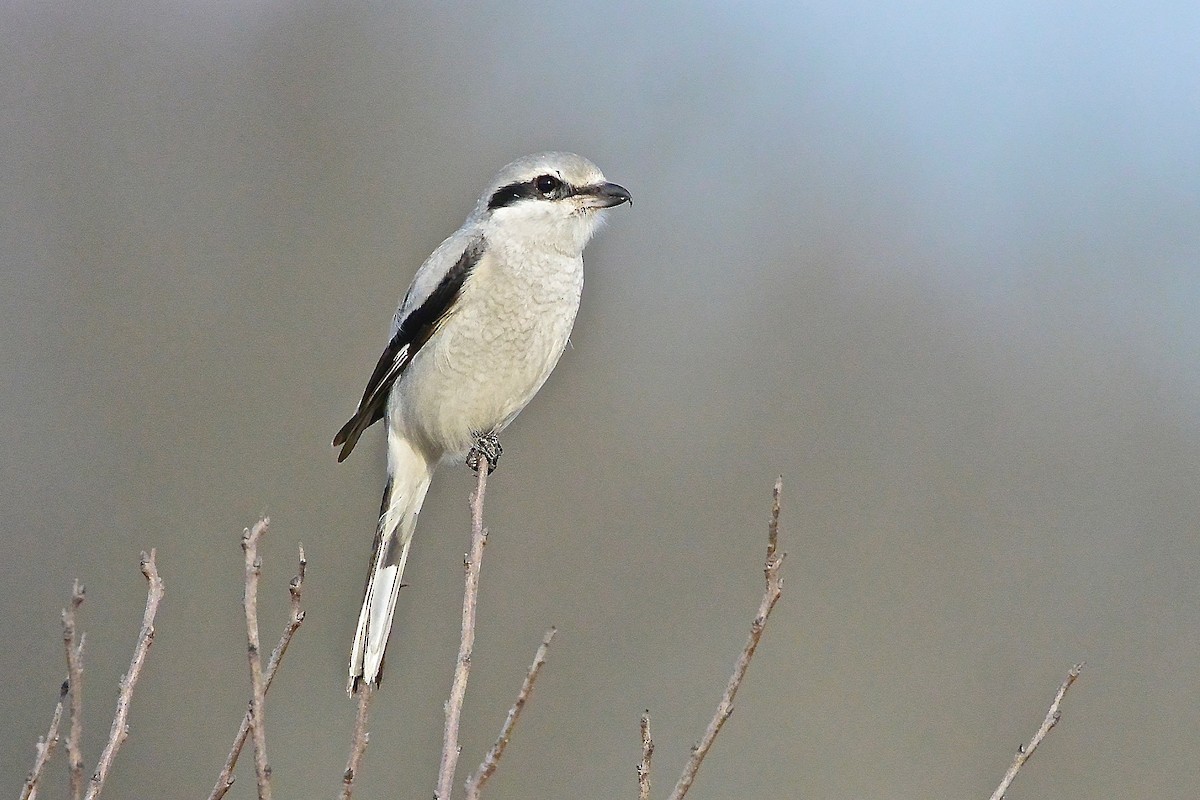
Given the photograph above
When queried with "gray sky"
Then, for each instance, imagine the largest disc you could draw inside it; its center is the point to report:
(934, 264)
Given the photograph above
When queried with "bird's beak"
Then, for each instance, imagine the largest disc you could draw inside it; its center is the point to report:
(605, 195)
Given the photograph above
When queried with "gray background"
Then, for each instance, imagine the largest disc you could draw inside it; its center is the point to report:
(936, 265)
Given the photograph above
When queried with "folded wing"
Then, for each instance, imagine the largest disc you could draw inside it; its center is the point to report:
(412, 333)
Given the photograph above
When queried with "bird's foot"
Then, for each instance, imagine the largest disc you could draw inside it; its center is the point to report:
(486, 446)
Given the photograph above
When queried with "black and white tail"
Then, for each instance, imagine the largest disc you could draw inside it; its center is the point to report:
(408, 481)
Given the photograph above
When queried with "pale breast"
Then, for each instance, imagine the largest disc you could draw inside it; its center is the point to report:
(492, 354)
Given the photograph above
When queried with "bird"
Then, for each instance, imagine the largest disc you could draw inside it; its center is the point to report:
(478, 332)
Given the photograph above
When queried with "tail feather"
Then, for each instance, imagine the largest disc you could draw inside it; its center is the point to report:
(409, 476)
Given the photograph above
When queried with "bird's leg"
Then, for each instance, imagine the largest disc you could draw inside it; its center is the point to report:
(486, 445)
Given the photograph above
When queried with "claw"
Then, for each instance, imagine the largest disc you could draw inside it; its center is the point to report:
(486, 446)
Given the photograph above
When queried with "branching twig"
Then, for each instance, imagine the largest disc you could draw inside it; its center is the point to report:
(643, 770)
(725, 707)
(1052, 717)
(225, 779)
(120, 724)
(458, 687)
(74, 646)
(492, 759)
(262, 769)
(45, 749)
(358, 741)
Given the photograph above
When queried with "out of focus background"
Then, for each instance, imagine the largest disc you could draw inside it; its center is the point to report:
(937, 265)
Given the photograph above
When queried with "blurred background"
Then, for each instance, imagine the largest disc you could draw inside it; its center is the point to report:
(934, 264)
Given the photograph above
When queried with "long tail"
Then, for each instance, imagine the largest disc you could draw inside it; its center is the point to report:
(409, 474)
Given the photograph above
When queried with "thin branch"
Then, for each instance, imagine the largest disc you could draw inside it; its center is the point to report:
(1052, 717)
(492, 760)
(120, 724)
(643, 770)
(74, 647)
(774, 589)
(226, 778)
(45, 749)
(262, 769)
(773, 524)
(458, 687)
(358, 741)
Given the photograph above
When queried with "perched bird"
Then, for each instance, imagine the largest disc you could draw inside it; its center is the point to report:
(482, 325)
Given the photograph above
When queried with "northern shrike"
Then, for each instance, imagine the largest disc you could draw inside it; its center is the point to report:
(482, 325)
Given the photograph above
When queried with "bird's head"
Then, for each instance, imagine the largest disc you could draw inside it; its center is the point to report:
(557, 198)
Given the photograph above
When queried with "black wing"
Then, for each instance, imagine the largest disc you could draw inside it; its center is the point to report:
(412, 333)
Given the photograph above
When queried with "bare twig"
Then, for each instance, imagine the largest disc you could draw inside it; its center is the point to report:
(120, 724)
(770, 596)
(492, 760)
(458, 687)
(262, 769)
(225, 779)
(643, 770)
(773, 525)
(74, 646)
(45, 749)
(358, 741)
(1052, 717)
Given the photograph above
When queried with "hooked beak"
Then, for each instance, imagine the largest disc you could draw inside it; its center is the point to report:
(605, 195)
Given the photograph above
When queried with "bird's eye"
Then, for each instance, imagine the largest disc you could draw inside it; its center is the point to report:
(547, 184)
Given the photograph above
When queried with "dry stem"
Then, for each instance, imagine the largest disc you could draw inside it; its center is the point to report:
(120, 724)
(74, 646)
(262, 769)
(358, 741)
(643, 770)
(774, 589)
(225, 779)
(1052, 717)
(458, 687)
(45, 749)
(492, 760)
